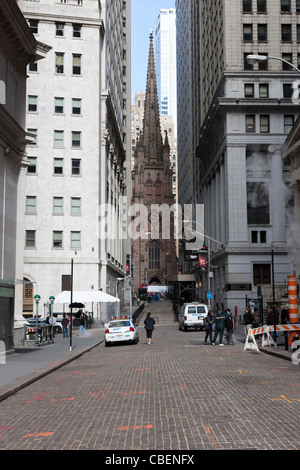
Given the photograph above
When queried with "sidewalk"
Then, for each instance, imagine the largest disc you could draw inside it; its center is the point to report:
(29, 364)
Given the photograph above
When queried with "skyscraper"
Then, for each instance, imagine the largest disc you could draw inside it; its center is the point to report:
(164, 40)
(241, 114)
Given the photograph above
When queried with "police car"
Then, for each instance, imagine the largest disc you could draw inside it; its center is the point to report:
(41, 321)
(119, 330)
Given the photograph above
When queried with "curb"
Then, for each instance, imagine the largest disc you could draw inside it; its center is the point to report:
(12, 388)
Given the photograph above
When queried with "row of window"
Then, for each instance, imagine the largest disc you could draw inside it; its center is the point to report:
(58, 205)
(58, 138)
(58, 166)
(261, 6)
(263, 90)
(262, 33)
(59, 105)
(264, 123)
(57, 239)
(59, 28)
(264, 65)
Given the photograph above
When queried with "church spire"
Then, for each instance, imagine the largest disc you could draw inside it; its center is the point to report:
(151, 137)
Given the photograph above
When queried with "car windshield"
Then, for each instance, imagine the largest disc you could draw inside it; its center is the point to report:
(118, 324)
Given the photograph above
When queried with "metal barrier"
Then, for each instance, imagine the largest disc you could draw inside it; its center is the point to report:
(32, 337)
(267, 339)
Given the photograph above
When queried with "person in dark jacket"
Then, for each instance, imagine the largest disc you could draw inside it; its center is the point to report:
(220, 326)
(208, 328)
(149, 326)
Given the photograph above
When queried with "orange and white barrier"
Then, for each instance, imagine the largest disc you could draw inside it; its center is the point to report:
(267, 339)
(293, 304)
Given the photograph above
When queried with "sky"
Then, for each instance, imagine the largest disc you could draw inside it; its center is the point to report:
(144, 14)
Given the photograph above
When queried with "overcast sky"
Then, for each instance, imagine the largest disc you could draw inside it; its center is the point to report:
(143, 17)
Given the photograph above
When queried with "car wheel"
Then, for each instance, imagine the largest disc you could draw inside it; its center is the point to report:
(106, 344)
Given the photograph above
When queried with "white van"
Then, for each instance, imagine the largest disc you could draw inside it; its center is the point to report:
(192, 316)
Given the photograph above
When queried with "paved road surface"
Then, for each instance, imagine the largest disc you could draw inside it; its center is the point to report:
(177, 394)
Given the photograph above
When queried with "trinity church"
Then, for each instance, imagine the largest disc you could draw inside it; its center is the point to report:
(153, 253)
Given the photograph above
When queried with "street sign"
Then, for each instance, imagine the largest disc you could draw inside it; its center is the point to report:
(209, 295)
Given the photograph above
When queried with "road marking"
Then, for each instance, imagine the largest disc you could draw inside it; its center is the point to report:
(38, 434)
(124, 428)
(207, 429)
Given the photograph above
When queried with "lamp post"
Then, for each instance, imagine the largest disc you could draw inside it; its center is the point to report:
(37, 298)
(51, 300)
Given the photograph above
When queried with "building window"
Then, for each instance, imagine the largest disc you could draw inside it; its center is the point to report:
(57, 239)
(76, 30)
(262, 33)
(289, 58)
(249, 90)
(258, 203)
(30, 238)
(76, 106)
(297, 6)
(32, 166)
(264, 124)
(34, 26)
(250, 123)
(247, 32)
(75, 166)
(285, 6)
(264, 90)
(75, 205)
(261, 6)
(33, 136)
(59, 62)
(261, 274)
(154, 255)
(76, 64)
(59, 29)
(32, 103)
(76, 139)
(30, 204)
(288, 123)
(247, 66)
(58, 166)
(287, 90)
(33, 67)
(247, 6)
(58, 203)
(59, 105)
(58, 139)
(75, 239)
(286, 33)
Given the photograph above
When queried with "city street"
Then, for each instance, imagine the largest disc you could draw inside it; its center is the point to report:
(176, 394)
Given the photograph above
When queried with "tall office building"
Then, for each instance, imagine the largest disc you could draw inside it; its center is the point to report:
(164, 40)
(241, 114)
(77, 107)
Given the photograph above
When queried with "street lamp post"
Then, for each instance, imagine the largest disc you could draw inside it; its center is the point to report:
(51, 300)
(37, 298)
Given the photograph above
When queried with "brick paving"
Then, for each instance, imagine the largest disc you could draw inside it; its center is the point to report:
(177, 394)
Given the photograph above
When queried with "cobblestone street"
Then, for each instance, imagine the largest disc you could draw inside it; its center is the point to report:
(176, 394)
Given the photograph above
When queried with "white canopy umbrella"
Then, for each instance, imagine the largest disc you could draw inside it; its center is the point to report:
(84, 296)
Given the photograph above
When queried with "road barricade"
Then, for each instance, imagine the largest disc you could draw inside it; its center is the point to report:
(267, 339)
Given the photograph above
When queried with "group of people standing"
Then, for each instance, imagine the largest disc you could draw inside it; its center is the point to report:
(222, 320)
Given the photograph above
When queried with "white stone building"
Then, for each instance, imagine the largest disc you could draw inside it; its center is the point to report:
(77, 105)
(241, 115)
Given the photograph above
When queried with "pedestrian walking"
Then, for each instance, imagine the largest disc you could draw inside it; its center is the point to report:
(219, 327)
(65, 324)
(149, 326)
(209, 327)
(229, 326)
(248, 320)
(82, 325)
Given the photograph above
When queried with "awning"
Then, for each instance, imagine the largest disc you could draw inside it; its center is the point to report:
(84, 296)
